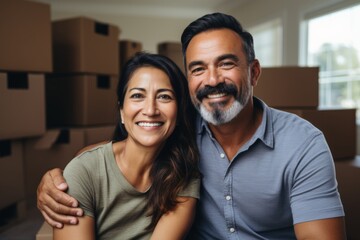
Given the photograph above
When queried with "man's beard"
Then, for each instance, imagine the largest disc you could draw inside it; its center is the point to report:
(218, 115)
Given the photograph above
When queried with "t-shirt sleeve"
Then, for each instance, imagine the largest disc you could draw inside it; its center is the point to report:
(79, 175)
(192, 190)
(314, 193)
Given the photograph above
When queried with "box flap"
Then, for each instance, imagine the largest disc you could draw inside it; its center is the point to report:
(47, 140)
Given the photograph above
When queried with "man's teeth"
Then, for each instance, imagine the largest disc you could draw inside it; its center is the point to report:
(148, 124)
(216, 95)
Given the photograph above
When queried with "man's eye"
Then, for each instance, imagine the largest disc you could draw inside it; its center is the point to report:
(197, 71)
(227, 65)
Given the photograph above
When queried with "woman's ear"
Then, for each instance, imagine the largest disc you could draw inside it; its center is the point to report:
(121, 116)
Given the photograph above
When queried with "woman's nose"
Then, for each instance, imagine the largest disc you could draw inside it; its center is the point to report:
(150, 108)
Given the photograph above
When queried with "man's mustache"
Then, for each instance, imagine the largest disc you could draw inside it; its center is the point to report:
(220, 88)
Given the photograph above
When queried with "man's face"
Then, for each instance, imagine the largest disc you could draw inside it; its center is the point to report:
(220, 79)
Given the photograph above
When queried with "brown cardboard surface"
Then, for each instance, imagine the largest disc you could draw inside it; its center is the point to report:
(25, 42)
(84, 45)
(95, 135)
(45, 232)
(128, 48)
(11, 172)
(81, 100)
(40, 156)
(338, 126)
(289, 87)
(348, 178)
(22, 105)
(173, 51)
(55, 149)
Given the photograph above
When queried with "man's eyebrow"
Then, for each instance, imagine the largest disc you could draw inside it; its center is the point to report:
(219, 58)
(194, 63)
(228, 56)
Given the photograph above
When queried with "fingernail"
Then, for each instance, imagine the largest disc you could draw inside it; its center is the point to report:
(58, 225)
(62, 185)
(73, 221)
(79, 213)
(74, 204)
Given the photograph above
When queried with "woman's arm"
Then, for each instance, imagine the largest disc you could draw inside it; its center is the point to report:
(84, 230)
(177, 223)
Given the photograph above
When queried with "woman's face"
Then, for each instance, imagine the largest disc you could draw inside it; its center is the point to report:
(149, 112)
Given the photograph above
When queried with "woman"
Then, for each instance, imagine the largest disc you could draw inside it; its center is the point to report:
(144, 184)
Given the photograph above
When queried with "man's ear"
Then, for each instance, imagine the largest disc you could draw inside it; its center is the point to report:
(255, 72)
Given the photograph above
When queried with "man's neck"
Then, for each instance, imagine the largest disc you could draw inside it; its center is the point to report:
(234, 134)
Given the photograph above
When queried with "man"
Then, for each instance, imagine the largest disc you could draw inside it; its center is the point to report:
(267, 174)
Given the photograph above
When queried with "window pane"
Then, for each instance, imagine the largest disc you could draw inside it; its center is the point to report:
(334, 45)
(268, 42)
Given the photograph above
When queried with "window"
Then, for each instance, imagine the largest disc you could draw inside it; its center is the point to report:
(334, 46)
(268, 42)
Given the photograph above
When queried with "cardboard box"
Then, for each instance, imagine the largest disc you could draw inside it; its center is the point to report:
(338, 126)
(81, 100)
(45, 232)
(11, 172)
(22, 105)
(128, 48)
(173, 51)
(348, 178)
(289, 87)
(55, 149)
(83, 45)
(25, 42)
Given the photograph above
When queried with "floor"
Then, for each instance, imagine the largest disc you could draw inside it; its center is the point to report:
(25, 229)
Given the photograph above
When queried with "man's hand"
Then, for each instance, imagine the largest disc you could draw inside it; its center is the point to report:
(56, 206)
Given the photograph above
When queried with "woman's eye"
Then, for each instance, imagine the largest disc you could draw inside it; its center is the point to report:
(136, 95)
(165, 97)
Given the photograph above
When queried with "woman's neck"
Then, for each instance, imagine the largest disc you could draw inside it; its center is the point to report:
(135, 163)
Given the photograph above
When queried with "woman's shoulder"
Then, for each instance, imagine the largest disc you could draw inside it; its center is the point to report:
(92, 147)
(90, 156)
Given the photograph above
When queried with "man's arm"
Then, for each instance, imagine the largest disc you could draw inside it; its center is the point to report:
(177, 223)
(56, 206)
(327, 229)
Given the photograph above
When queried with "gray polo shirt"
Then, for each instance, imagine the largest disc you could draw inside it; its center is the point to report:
(282, 176)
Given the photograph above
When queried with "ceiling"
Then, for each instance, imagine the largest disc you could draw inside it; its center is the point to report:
(160, 8)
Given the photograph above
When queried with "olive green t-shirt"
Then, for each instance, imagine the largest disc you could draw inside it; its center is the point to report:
(103, 192)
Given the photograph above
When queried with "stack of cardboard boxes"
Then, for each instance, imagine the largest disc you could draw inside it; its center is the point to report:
(128, 48)
(80, 95)
(296, 90)
(57, 94)
(26, 55)
(173, 51)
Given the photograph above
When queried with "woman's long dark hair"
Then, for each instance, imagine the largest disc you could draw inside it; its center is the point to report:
(177, 163)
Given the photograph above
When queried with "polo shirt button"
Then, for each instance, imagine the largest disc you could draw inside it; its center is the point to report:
(228, 197)
(232, 230)
(222, 155)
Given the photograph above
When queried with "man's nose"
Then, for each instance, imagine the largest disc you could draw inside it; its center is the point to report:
(214, 77)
